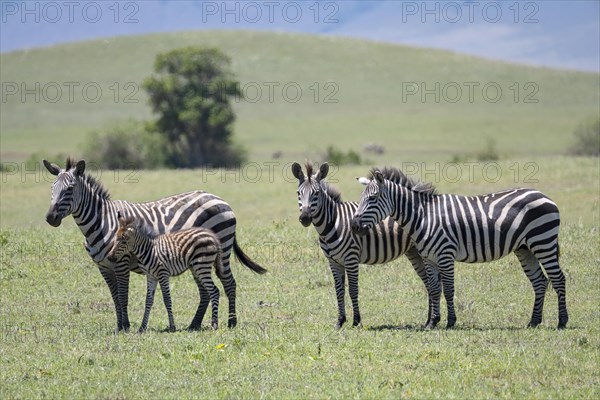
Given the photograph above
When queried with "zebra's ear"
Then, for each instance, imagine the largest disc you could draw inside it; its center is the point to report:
(297, 172)
(120, 218)
(378, 177)
(323, 171)
(363, 181)
(51, 167)
(80, 168)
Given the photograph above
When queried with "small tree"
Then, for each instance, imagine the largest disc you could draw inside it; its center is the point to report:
(587, 139)
(191, 93)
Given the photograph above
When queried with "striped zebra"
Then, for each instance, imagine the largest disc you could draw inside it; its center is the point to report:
(447, 228)
(76, 193)
(171, 254)
(321, 205)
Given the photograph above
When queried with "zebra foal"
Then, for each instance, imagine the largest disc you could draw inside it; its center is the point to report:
(171, 254)
(446, 228)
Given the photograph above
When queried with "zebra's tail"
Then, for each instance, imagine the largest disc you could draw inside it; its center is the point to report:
(244, 259)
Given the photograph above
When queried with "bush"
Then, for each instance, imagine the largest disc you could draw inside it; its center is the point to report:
(125, 145)
(338, 157)
(587, 139)
(489, 153)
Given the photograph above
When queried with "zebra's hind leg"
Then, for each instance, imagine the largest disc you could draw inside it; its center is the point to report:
(196, 323)
(548, 257)
(538, 280)
(435, 291)
(204, 271)
(417, 262)
(229, 285)
(339, 278)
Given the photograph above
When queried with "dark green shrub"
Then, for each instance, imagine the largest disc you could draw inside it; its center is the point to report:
(587, 139)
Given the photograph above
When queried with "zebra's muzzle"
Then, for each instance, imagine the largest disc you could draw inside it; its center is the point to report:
(357, 227)
(305, 219)
(53, 219)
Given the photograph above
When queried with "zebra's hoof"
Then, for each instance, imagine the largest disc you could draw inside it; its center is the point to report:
(232, 323)
(534, 323)
(562, 323)
(141, 331)
(172, 328)
(340, 323)
(193, 328)
(432, 323)
(451, 324)
(215, 326)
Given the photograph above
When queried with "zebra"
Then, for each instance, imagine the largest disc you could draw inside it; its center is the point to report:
(171, 254)
(447, 228)
(321, 205)
(74, 192)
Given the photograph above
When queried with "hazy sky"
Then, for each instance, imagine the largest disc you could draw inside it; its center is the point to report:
(564, 34)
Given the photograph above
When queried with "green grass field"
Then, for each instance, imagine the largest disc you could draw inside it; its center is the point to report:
(56, 314)
(58, 319)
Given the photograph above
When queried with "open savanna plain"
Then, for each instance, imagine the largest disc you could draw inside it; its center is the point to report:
(56, 315)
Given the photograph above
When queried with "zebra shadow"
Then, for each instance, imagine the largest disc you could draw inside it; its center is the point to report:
(466, 328)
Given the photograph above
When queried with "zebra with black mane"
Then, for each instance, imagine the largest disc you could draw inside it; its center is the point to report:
(171, 254)
(446, 228)
(76, 193)
(321, 205)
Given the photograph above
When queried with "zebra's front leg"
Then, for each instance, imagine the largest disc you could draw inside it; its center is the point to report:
(150, 289)
(434, 290)
(352, 272)
(339, 278)
(163, 279)
(122, 275)
(111, 280)
(196, 323)
(446, 269)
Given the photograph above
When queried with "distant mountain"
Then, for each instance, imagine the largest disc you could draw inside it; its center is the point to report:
(562, 34)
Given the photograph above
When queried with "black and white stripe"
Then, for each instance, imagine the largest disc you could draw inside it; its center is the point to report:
(77, 193)
(447, 228)
(321, 205)
(171, 254)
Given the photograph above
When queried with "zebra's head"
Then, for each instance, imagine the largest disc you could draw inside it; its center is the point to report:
(309, 190)
(373, 206)
(63, 198)
(123, 239)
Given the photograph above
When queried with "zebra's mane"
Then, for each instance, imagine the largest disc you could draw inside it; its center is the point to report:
(144, 228)
(139, 225)
(309, 170)
(398, 177)
(94, 185)
(332, 192)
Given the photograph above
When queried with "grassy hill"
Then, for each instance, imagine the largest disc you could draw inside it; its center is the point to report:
(368, 82)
